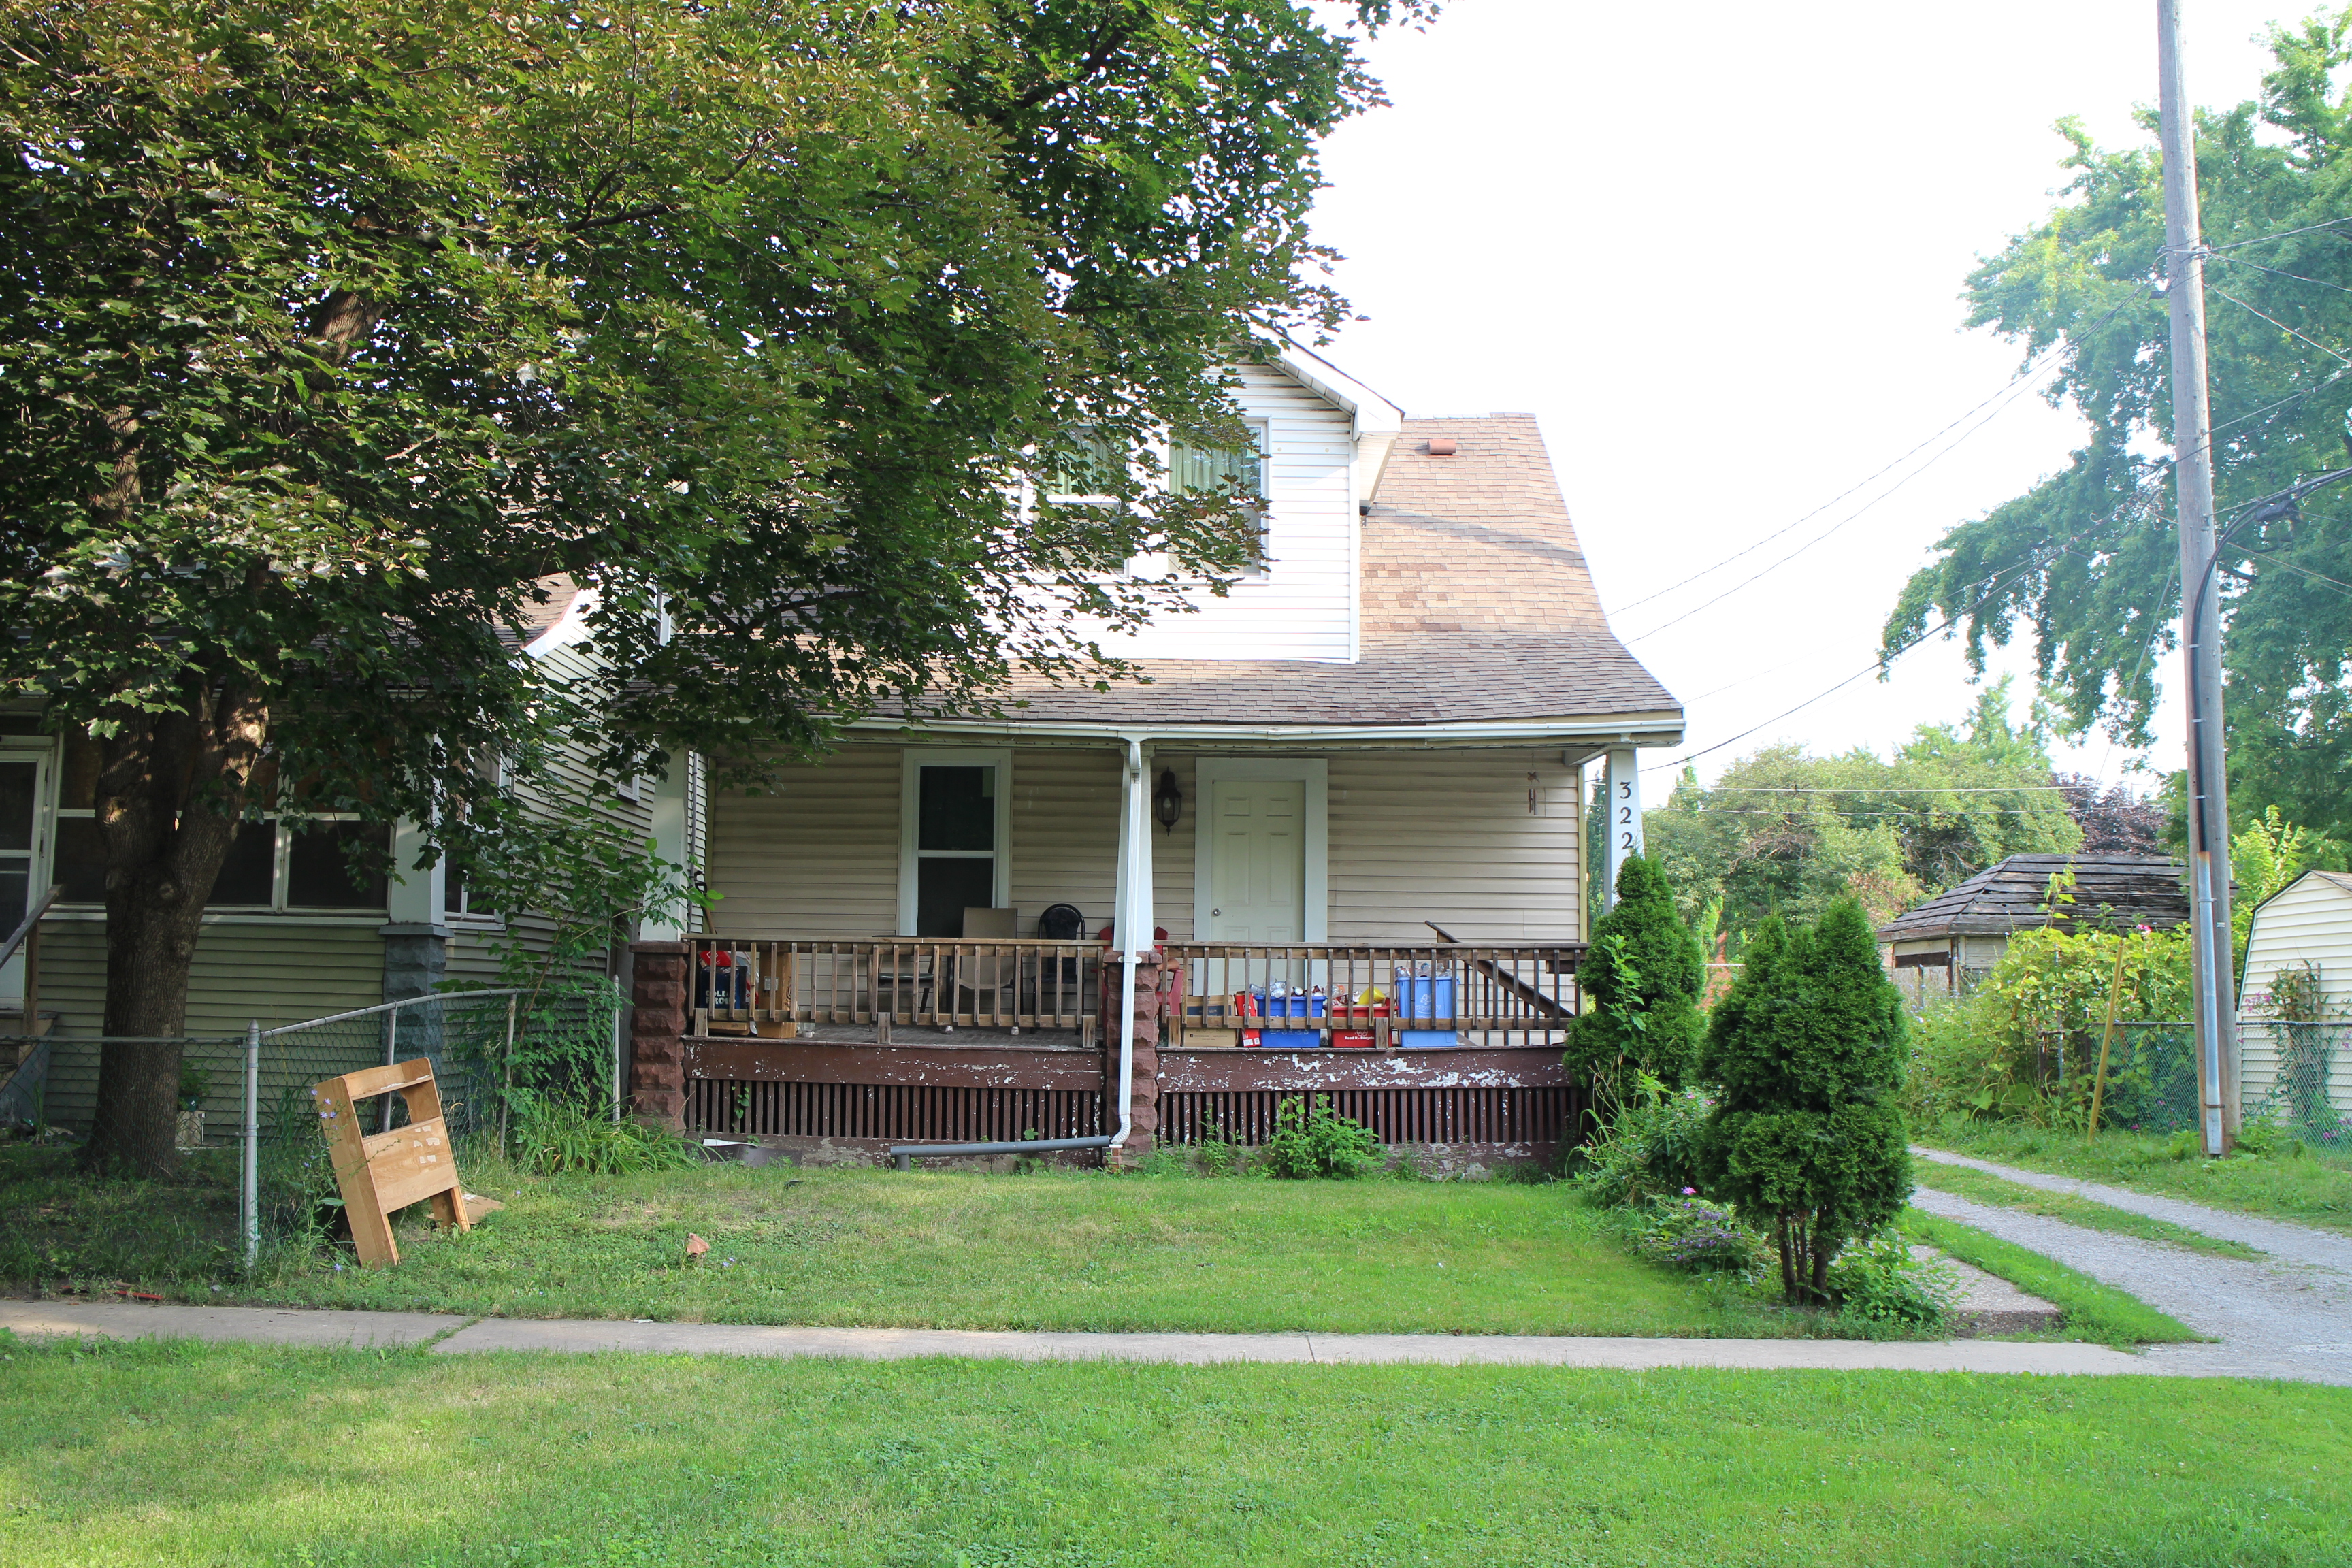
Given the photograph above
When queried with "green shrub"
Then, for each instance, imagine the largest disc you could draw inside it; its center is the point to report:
(1805, 1137)
(1651, 1151)
(1313, 1140)
(1879, 1278)
(1643, 977)
(1705, 1239)
(2025, 1047)
(555, 1136)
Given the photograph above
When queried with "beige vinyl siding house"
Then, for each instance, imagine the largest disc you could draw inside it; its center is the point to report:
(1382, 735)
(1444, 835)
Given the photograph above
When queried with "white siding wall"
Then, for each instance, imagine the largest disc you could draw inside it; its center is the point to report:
(2310, 922)
(1304, 607)
(1414, 837)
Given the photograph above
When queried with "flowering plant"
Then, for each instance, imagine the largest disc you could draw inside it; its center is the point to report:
(1701, 1237)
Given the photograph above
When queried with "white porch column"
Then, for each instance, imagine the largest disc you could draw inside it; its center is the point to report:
(667, 810)
(415, 931)
(1622, 791)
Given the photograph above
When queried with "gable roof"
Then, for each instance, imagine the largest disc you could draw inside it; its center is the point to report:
(2110, 891)
(1476, 605)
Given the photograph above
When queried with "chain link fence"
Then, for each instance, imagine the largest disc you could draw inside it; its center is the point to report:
(2299, 1075)
(493, 1053)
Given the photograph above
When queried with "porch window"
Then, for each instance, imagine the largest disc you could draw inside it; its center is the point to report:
(954, 835)
(955, 846)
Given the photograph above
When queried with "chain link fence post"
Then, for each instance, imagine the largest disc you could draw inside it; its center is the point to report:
(249, 1183)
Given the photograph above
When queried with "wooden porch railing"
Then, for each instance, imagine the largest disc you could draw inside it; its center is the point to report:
(1357, 993)
(1346, 992)
(773, 986)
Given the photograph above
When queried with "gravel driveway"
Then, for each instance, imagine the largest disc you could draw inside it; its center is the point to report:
(2286, 1316)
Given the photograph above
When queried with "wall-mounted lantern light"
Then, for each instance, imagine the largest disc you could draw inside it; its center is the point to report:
(1168, 801)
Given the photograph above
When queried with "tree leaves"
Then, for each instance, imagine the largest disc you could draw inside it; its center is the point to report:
(2086, 560)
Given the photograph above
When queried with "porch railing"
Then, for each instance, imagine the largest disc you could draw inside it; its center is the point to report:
(1345, 993)
(773, 986)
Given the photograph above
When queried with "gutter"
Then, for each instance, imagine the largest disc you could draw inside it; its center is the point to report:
(1639, 729)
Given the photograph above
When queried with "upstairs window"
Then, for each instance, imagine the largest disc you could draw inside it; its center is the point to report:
(1219, 470)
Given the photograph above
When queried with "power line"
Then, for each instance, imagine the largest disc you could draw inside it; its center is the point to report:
(1875, 789)
(2283, 233)
(2008, 394)
(2281, 326)
(2276, 272)
(2031, 372)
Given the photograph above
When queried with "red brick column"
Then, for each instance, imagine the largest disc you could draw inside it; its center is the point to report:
(656, 1019)
(1151, 980)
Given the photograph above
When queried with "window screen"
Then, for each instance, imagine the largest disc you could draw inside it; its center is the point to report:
(319, 867)
(248, 877)
(1192, 469)
(955, 846)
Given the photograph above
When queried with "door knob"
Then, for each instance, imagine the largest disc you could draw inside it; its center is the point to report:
(1214, 914)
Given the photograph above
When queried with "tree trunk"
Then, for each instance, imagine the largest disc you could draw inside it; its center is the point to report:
(171, 792)
(1782, 1233)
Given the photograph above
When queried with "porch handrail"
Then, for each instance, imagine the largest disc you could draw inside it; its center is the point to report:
(32, 918)
(776, 986)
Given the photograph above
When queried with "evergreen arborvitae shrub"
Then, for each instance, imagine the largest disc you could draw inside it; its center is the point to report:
(1642, 982)
(1806, 1052)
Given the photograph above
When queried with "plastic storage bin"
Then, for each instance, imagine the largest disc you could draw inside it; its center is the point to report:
(1293, 1004)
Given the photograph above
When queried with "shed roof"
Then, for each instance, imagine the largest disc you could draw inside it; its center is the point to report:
(2122, 890)
(1476, 605)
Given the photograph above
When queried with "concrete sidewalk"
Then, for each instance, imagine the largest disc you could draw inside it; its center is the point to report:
(450, 1334)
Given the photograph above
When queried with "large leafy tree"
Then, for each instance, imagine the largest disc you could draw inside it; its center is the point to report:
(331, 330)
(1788, 833)
(2086, 561)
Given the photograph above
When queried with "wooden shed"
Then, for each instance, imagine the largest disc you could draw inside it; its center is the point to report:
(1962, 932)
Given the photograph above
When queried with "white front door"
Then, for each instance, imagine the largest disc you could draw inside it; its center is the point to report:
(1258, 861)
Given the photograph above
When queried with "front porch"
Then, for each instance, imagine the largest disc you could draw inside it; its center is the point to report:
(922, 943)
(838, 1050)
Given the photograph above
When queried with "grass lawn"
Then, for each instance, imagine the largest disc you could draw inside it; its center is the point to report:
(2309, 1189)
(180, 1454)
(1060, 1251)
(1961, 1182)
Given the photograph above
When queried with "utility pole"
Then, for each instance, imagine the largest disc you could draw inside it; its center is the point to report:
(2192, 476)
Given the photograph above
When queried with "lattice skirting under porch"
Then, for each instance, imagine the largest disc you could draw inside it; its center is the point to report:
(918, 1113)
(1513, 1116)
(910, 1113)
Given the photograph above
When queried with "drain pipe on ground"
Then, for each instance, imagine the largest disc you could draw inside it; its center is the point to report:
(1133, 918)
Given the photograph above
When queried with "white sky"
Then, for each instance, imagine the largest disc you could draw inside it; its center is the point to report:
(1717, 249)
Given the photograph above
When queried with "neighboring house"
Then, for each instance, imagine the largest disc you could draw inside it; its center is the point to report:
(287, 936)
(1959, 934)
(2292, 1059)
(1383, 731)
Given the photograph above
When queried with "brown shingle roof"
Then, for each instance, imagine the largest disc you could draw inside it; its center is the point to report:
(1477, 605)
(2111, 892)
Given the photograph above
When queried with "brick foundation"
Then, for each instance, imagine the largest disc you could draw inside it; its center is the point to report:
(656, 1019)
(1152, 982)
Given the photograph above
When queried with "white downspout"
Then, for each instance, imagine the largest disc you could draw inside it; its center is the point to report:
(1133, 916)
